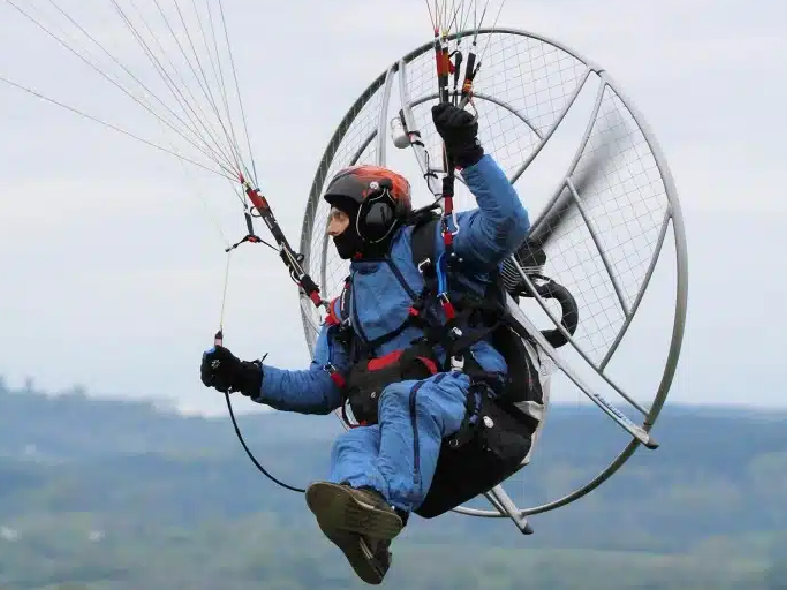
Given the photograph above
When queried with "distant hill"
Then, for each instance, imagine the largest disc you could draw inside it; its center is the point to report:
(717, 484)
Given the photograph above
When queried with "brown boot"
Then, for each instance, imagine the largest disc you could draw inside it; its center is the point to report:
(369, 558)
(341, 507)
(359, 522)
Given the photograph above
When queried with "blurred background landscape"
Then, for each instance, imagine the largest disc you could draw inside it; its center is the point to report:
(124, 495)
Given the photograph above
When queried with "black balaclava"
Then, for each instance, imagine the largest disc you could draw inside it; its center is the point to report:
(348, 243)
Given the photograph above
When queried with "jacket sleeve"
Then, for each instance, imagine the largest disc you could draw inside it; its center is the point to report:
(493, 231)
(309, 391)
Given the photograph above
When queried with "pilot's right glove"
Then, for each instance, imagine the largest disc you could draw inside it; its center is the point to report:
(459, 130)
(224, 372)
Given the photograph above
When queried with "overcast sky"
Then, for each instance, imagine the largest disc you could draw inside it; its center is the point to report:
(111, 271)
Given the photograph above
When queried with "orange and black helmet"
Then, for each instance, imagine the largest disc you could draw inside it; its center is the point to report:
(358, 183)
(377, 197)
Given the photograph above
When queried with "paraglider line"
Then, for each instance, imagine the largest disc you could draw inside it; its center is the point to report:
(110, 125)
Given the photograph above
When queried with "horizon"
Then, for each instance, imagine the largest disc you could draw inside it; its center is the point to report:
(169, 406)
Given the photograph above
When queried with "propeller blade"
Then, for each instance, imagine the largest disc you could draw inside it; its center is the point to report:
(562, 207)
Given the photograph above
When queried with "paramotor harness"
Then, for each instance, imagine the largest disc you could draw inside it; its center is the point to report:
(496, 434)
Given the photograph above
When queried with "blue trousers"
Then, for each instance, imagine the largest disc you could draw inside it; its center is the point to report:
(398, 455)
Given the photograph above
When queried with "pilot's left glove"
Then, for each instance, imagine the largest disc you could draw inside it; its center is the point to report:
(224, 372)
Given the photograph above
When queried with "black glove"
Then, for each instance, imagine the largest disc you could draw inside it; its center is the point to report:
(459, 131)
(223, 371)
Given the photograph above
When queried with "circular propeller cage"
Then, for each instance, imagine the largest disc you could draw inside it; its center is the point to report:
(609, 210)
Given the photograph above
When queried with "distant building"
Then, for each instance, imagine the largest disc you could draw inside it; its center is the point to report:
(8, 534)
(96, 536)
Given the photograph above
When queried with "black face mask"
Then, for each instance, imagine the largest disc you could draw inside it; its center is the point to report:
(348, 243)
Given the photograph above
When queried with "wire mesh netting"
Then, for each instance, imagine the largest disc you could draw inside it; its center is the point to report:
(601, 247)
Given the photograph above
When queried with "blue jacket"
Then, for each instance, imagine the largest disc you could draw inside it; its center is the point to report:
(379, 302)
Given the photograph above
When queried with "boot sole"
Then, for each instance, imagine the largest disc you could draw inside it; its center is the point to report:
(337, 509)
(359, 556)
